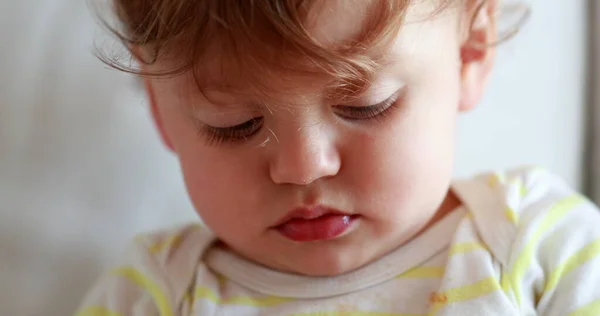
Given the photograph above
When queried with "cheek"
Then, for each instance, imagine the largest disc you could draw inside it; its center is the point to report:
(215, 178)
(218, 182)
(407, 161)
(432, 129)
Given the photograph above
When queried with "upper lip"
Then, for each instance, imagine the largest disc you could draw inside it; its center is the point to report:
(309, 212)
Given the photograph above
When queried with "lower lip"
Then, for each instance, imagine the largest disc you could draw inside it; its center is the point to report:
(321, 228)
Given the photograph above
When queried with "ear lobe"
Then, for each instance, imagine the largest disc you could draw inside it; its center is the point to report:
(156, 117)
(477, 55)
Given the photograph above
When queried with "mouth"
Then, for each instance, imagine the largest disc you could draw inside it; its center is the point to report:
(316, 223)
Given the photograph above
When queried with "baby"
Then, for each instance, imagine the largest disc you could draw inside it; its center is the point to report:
(316, 140)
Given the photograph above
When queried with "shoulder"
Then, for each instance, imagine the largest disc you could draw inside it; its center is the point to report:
(526, 205)
(169, 251)
(167, 246)
(555, 252)
(155, 273)
(537, 200)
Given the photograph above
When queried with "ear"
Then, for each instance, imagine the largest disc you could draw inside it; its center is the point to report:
(477, 51)
(156, 116)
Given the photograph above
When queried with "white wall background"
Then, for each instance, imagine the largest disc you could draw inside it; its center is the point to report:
(534, 110)
(81, 169)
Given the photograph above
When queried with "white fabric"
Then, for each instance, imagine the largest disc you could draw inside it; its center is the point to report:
(524, 244)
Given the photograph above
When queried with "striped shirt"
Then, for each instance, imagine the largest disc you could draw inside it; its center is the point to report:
(522, 243)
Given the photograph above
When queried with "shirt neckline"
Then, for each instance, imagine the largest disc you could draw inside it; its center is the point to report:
(271, 282)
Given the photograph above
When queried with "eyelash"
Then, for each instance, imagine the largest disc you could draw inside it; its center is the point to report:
(242, 132)
(378, 111)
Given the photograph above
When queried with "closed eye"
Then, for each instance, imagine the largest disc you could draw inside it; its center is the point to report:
(375, 111)
(217, 135)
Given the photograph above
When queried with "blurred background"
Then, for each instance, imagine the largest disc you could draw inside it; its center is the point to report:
(82, 170)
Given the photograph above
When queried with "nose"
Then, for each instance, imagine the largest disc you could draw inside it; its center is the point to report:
(302, 156)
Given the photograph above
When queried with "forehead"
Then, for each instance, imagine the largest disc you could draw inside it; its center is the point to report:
(335, 21)
(419, 42)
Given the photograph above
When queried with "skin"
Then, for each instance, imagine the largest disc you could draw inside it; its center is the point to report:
(394, 172)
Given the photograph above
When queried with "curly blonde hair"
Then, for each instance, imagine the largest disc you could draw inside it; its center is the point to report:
(257, 40)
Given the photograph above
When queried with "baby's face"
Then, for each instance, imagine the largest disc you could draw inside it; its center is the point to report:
(317, 188)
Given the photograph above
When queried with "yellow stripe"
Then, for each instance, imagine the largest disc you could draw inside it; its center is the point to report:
(423, 272)
(587, 253)
(160, 299)
(97, 311)
(265, 301)
(471, 291)
(591, 309)
(464, 293)
(169, 242)
(505, 284)
(496, 179)
(523, 261)
(172, 241)
(466, 247)
(511, 215)
(523, 189)
(207, 294)
(353, 313)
